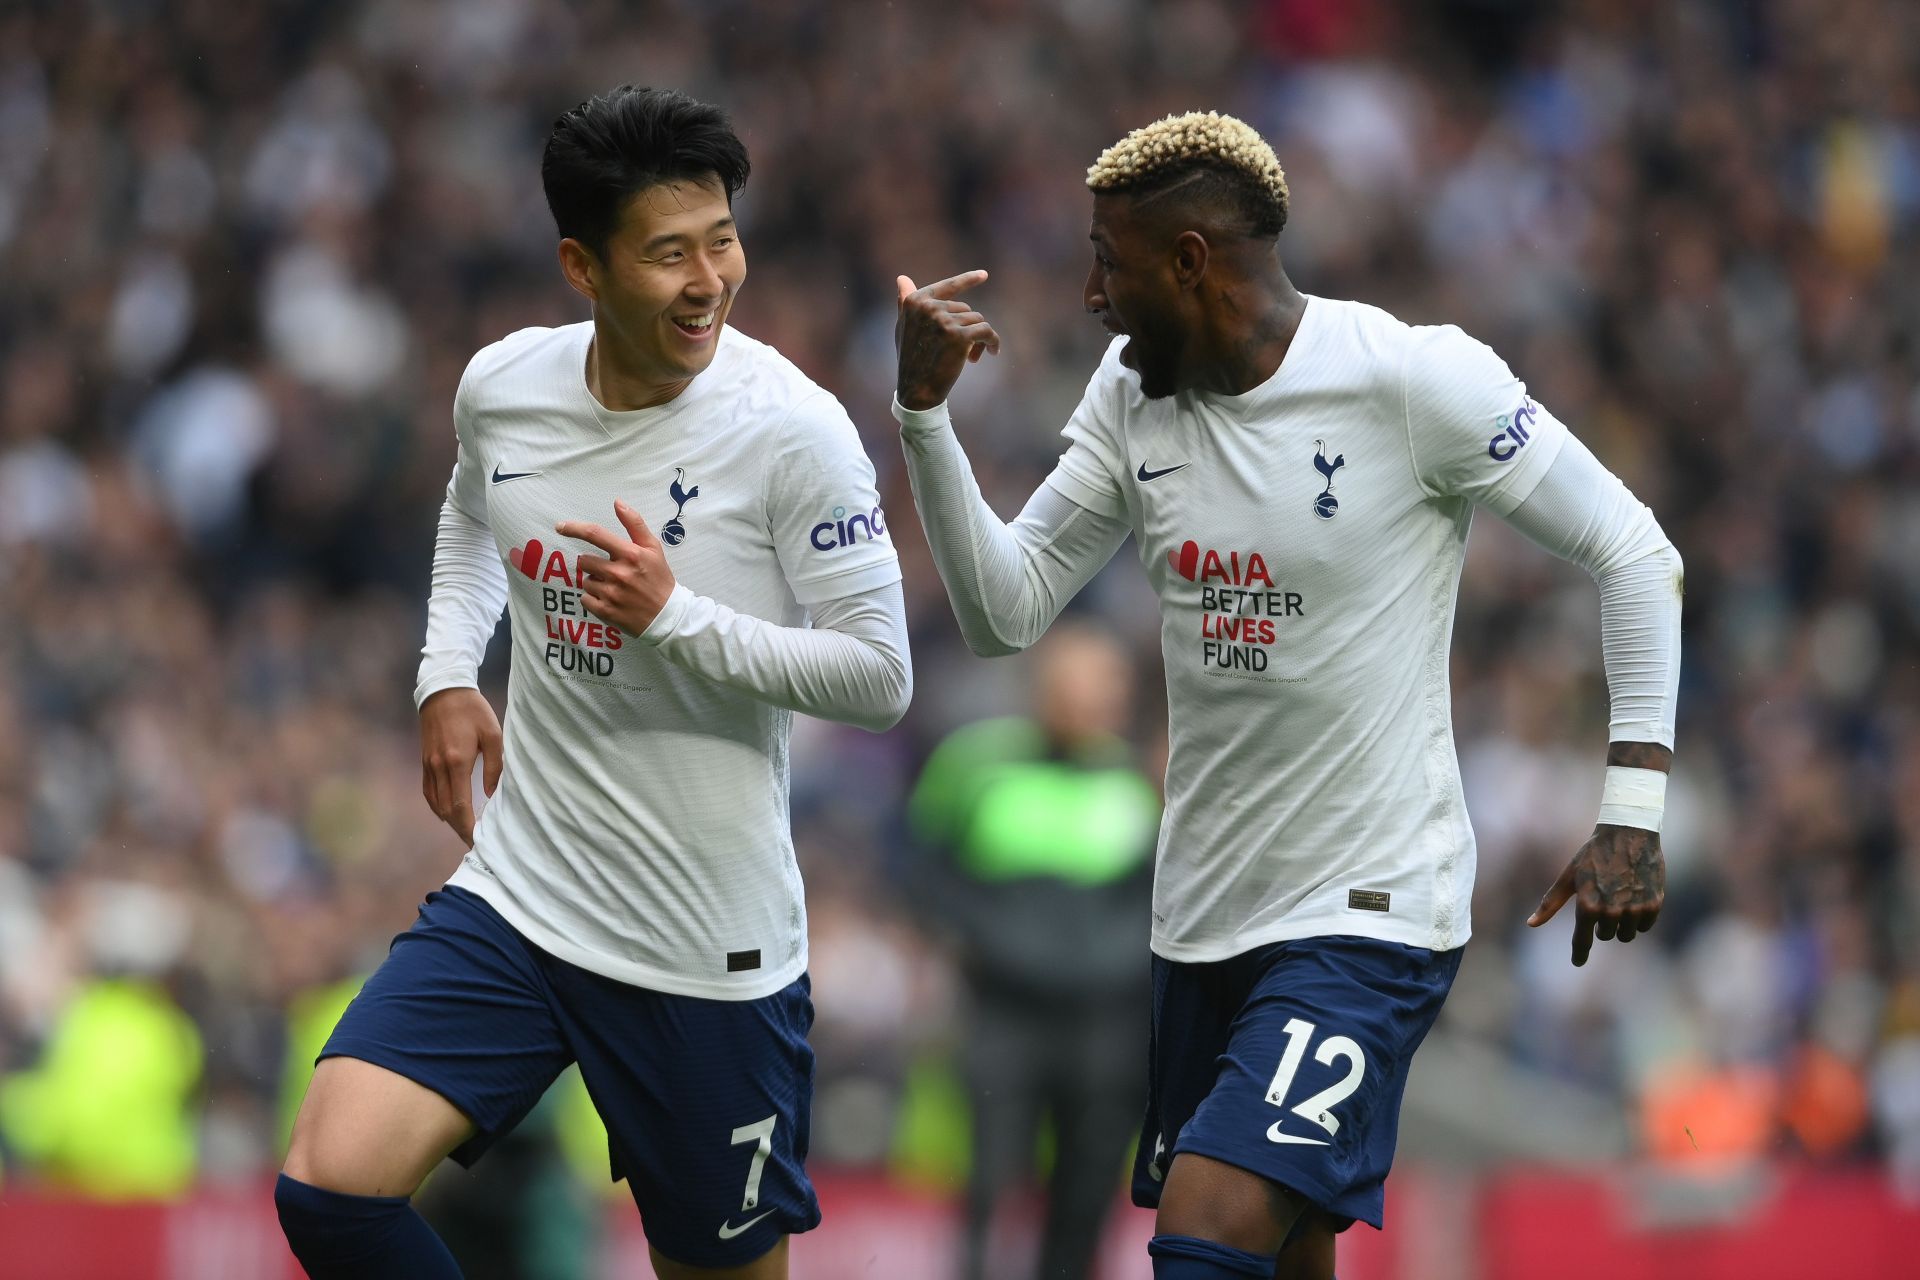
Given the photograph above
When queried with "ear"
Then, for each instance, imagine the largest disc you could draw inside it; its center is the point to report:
(578, 265)
(1190, 253)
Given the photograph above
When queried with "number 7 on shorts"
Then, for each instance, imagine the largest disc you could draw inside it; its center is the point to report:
(760, 1132)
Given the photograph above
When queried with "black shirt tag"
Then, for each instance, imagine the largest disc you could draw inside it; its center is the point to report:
(741, 961)
(1367, 900)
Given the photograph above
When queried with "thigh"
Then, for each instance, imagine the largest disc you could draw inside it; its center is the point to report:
(1307, 1094)
(364, 1131)
(1209, 1199)
(459, 1011)
(707, 1105)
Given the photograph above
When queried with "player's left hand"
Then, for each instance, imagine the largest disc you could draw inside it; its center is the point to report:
(630, 584)
(937, 335)
(1618, 879)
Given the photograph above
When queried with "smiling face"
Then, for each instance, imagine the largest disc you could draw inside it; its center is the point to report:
(665, 282)
(1134, 290)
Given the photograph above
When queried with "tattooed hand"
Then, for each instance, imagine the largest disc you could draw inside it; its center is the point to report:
(937, 336)
(1619, 877)
(1618, 881)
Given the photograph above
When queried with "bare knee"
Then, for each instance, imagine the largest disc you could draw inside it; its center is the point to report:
(1210, 1200)
(366, 1131)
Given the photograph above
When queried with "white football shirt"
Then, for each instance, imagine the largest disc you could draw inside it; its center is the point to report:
(1305, 539)
(640, 826)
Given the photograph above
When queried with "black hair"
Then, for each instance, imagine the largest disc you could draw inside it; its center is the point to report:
(621, 142)
(1241, 198)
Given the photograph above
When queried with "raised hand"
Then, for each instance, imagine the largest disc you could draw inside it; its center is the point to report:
(630, 584)
(937, 335)
(1618, 880)
(456, 725)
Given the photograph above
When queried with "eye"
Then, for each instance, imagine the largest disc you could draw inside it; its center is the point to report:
(724, 242)
(671, 255)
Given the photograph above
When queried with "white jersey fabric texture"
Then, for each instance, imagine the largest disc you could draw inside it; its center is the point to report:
(640, 826)
(1305, 539)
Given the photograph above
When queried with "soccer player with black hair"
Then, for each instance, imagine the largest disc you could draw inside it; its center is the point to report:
(630, 900)
(1299, 473)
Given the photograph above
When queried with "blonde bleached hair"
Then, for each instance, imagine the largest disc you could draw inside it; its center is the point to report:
(1181, 149)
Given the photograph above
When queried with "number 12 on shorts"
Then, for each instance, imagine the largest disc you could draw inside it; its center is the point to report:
(1318, 1108)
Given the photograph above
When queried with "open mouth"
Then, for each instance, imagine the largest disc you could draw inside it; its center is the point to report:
(696, 326)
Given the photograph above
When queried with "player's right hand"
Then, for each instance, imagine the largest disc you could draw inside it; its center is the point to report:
(456, 725)
(937, 335)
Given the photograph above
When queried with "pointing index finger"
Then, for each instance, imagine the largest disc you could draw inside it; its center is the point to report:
(944, 289)
(585, 530)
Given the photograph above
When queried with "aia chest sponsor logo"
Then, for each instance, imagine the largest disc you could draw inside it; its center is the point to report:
(1241, 607)
(1197, 566)
(577, 643)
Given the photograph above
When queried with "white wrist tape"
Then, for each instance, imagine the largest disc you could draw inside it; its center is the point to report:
(1633, 798)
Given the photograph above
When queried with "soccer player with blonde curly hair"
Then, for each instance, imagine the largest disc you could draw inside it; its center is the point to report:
(1299, 473)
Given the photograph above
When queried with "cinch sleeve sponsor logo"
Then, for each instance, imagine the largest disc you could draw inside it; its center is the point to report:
(1516, 429)
(845, 530)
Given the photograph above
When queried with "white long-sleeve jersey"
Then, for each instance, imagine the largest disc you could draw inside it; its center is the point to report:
(640, 826)
(1305, 539)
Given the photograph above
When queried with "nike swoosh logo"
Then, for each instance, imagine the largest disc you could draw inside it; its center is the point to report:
(728, 1231)
(1274, 1135)
(1143, 475)
(502, 478)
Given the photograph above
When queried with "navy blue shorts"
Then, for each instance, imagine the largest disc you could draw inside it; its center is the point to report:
(706, 1102)
(1289, 1062)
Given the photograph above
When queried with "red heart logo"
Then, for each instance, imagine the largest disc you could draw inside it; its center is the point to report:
(527, 559)
(1185, 561)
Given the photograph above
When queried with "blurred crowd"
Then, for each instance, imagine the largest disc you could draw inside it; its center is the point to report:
(245, 251)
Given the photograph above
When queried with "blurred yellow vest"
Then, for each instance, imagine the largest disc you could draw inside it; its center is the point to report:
(111, 1111)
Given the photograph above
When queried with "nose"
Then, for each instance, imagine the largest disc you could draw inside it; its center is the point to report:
(706, 284)
(1094, 295)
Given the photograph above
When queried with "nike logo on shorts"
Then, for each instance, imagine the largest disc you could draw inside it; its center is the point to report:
(728, 1231)
(500, 478)
(1143, 475)
(1274, 1135)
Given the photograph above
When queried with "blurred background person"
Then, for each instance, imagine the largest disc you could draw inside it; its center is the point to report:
(1040, 833)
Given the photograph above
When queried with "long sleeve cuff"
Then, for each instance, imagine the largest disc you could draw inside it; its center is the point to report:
(673, 614)
(920, 420)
